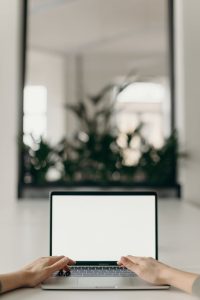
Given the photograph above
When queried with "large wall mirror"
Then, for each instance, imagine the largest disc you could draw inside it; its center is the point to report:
(98, 94)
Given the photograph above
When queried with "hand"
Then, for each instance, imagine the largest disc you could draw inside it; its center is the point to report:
(42, 268)
(34, 273)
(158, 273)
(146, 268)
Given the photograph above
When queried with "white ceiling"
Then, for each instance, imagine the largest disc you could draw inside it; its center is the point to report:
(106, 26)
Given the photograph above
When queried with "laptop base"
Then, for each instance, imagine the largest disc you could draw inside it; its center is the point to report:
(99, 283)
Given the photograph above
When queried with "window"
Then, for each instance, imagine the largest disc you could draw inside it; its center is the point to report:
(146, 103)
(35, 113)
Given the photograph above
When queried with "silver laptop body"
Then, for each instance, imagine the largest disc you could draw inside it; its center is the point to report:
(96, 229)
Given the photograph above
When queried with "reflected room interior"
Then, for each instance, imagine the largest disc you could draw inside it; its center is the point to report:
(98, 97)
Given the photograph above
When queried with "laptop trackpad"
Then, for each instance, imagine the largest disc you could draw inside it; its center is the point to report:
(61, 283)
(103, 282)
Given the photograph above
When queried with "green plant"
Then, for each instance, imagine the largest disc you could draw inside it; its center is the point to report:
(38, 159)
(159, 165)
(94, 153)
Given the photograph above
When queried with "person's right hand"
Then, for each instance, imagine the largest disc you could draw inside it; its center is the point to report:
(158, 273)
(146, 268)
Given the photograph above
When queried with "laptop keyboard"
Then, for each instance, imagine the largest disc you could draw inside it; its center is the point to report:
(96, 271)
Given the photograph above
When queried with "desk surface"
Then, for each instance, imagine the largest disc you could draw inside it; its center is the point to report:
(24, 231)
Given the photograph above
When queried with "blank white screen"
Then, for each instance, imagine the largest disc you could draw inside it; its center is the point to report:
(103, 228)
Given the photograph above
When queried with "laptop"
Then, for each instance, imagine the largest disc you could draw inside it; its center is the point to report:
(95, 229)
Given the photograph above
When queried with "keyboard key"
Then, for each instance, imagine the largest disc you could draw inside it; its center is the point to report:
(96, 271)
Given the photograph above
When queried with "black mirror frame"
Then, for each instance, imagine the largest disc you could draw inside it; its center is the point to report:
(24, 30)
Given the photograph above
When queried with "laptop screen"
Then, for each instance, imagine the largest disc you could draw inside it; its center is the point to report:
(103, 227)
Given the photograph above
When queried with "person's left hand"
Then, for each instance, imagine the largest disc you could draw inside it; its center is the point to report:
(146, 268)
(42, 268)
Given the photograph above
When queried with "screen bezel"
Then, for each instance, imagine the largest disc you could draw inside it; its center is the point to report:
(110, 193)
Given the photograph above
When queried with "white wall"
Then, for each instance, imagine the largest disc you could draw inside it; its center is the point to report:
(188, 68)
(49, 70)
(9, 68)
(101, 69)
(188, 93)
(59, 74)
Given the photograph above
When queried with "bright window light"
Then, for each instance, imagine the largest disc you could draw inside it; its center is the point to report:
(35, 100)
(35, 125)
(143, 102)
(143, 92)
(35, 111)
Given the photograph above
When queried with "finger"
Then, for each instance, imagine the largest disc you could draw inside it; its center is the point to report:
(120, 263)
(71, 261)
(129, 264)
(67, 267)
(134, 259)
(53, 259)
(61, 264)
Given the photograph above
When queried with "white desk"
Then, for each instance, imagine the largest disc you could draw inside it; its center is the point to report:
(24, 231)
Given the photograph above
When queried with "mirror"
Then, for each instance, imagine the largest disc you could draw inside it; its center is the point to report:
(98, 67)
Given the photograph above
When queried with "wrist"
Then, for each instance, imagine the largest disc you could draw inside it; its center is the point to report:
(180, 279)
(12, 281)
(166, 275)
(23, 278)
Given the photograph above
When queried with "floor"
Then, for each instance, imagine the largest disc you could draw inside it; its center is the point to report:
(24, 232)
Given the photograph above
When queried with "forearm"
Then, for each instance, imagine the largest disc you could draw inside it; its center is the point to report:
(180, 279)
(11, 281)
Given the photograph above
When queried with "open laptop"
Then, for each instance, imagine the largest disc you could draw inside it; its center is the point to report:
(96, 229)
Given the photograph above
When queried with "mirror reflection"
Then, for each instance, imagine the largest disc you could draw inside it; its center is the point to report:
(97, 104)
